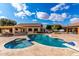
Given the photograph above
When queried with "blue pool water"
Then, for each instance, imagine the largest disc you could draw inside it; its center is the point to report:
(18, 43)
(46, 40)
(39, 38)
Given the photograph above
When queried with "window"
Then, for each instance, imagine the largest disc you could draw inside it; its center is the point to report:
(16, 29)
(23, 30)
(0, 31)
(36, 29)
(11, 30)
(30, 29)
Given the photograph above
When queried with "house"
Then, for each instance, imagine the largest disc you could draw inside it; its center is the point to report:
(72, 28)
(22, 28)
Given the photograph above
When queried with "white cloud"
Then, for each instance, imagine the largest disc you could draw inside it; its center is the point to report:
(61, 6)
(64, 15)
(42, 15)
(53, 16)
(23, 13)
(19, 14)
(44, 23)
(66, 7)
(57, 17)
(21, 10)
(19, 6)
(74, 20)
(3, 17)
(34, 20)
(28, 13)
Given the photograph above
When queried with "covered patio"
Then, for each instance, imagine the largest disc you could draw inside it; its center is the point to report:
(21, 29)
(72, 28)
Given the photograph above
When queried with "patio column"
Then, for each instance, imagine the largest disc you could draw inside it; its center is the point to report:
(67, 30)
(27, 29)
(78, 30)
(13, 30)
(39, 29)
(32, 30)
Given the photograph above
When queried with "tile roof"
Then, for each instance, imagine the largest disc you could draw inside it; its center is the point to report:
(29, 24)
(74, 24)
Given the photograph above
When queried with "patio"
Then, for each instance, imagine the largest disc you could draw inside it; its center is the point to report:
(39, 49)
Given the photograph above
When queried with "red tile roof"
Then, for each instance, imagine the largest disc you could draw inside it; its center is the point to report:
(29, 24)
(74, 24)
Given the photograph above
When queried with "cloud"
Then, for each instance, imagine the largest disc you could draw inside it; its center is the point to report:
(42, 15)
(22, 10)
(66, 7)
(19, 6)
(63, 15)
(52, 16)
(19, 14)
(34, 20)
(44, 23)
(57, 17)
(3, 17)
(61, 6)
(28, 13)
(23, 13)
(74, 20)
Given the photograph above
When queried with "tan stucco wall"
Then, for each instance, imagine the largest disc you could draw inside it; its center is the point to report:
(78, 30)
(26, 29)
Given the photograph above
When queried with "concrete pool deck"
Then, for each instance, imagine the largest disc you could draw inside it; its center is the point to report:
(39, 49)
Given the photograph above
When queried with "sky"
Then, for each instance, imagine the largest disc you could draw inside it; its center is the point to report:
(44, 13)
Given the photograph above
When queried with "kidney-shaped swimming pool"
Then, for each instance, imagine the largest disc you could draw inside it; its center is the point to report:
(46, 40)
(39, 38)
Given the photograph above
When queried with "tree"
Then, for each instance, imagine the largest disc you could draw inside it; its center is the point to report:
(7, 22)
(49, 27)
(56, 27)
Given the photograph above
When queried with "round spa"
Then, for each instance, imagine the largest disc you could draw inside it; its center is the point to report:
(18, 43)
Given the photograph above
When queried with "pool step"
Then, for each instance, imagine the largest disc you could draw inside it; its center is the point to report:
(72, 47)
